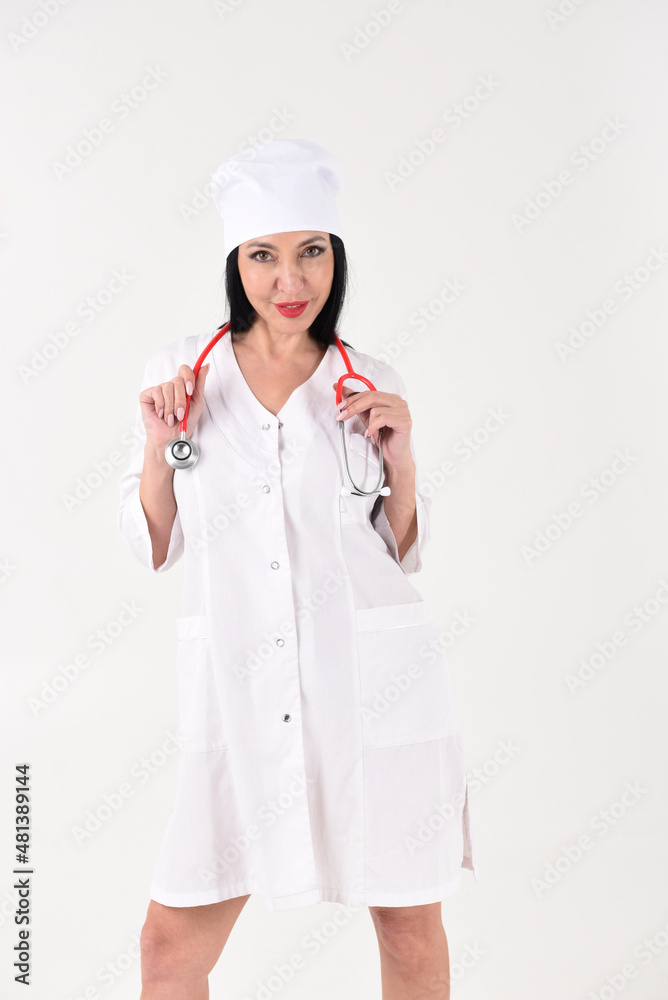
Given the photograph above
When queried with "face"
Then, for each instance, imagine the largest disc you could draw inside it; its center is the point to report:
(293, 267)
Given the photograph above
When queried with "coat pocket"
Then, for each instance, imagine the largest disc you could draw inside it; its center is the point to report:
(201, 723)
(404, 676)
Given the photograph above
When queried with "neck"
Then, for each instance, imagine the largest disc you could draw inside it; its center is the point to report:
(272, 343)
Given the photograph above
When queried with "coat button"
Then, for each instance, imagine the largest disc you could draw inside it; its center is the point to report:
(265, 427)
(286, 718)
(279, 425)
(266, 489)
(280, 642)
(275, 565)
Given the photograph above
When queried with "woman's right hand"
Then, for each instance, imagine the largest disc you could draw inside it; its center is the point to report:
(161, 402)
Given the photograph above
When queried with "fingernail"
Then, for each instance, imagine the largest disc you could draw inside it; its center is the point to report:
(342, 403)
(170, 419)
(189, 388)
(179, 413)
(161, 413)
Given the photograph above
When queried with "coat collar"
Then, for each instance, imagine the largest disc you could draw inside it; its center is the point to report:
(233, 405)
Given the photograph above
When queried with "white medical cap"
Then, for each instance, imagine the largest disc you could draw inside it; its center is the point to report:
(280, 186)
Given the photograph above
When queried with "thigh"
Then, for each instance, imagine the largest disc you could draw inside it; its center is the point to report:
(195, 935)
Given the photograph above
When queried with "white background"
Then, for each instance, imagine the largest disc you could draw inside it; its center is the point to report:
(529, 279)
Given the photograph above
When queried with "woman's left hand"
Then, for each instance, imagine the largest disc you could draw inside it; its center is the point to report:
(382, 409)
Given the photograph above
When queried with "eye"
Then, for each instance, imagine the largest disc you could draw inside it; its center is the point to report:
(254, 256)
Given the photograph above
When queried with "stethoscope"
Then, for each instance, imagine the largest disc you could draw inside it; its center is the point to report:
(183, 453)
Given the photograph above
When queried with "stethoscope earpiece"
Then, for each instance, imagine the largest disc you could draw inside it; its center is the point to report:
(181, 452)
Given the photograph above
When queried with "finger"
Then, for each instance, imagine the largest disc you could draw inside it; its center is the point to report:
(168, 393)
(389, 420)
(179, 397)
(346, 392)
(372, 429)
(366, 408)
(153, 397)
(188, 376)
(201, 379)
(372, 433)
(370, 398)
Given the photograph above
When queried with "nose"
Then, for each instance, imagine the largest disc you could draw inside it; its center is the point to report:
(289, 278)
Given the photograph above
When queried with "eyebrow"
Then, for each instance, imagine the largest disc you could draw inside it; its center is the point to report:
(270, 246)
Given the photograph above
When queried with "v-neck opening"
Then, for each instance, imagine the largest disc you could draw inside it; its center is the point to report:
(253, 397)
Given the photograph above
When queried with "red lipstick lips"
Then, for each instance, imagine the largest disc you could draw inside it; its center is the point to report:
(291, 308)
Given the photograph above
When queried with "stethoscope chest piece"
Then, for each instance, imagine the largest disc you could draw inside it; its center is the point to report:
(181, 452)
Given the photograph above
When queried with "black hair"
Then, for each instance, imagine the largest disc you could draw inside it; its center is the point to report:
(323, 326)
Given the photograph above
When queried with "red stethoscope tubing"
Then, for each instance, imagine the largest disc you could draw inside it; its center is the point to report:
(350, 373)
(198, 364)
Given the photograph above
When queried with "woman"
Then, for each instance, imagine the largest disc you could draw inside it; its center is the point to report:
(322, 757)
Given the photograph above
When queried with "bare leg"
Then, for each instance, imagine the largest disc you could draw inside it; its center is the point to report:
(414, 959)
(180, 946)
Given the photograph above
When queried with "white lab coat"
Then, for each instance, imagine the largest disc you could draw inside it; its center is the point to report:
(323, 757)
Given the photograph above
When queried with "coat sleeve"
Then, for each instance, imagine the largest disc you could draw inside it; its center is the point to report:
(131, 517)
(412, 561)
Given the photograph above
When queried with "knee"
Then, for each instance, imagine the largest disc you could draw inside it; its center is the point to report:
(163, 956)
(408, 938)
